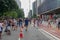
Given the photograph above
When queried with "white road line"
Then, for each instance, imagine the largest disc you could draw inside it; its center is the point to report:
(48, 35)
(18, 38)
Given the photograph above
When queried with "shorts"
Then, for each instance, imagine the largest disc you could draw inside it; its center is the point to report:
(26, 25)
(20, 24)
(0, 31)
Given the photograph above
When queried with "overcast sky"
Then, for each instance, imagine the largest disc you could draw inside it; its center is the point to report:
(25, 6)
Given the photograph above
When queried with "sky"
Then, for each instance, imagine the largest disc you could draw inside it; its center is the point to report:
(25, 6)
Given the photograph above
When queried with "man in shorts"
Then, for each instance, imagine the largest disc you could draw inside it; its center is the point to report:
(26, 23)
(20, 22)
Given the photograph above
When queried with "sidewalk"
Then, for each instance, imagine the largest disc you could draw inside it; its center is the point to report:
(54, 31)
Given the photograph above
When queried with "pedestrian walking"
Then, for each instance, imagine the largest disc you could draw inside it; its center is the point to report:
(49, 23)
(8, 28)
(15, 24)
(20, 22)
(26, 23)
(34, 21)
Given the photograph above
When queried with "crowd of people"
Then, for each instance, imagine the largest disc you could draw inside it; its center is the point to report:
(49, 21)
(7, 24)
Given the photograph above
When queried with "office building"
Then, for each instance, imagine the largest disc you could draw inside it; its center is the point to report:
(19, 3)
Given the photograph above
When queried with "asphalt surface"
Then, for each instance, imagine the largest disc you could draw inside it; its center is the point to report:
(32, 34)
(14, 35)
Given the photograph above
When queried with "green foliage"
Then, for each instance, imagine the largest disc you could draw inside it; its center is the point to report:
(12, 14)
(20, 13)
(7, 5)
(10, 8)
(34, 16)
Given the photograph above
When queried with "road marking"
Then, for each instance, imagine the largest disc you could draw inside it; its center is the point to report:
(18, 38)
(51, 36)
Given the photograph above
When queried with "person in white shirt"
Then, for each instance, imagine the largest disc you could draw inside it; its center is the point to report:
(15, 24)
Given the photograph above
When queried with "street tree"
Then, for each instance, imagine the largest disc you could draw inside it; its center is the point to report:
(20, 13)
(7, 5)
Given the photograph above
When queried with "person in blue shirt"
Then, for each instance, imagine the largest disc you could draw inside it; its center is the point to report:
(26, 23)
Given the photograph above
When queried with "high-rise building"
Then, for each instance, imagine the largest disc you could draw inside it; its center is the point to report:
(47, 5)
(34, 7)
(30, 14)
(19, 3)
(42, 6)
(39, 3)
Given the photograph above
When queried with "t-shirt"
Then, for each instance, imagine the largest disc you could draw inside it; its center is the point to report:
(26, 21)
(20, 20)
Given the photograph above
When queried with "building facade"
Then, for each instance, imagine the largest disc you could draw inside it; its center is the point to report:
(48, 5)
(30, 14)
(34, 7)
(19, 3)
(49, 8)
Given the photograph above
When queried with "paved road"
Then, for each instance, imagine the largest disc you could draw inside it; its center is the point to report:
(13, 36)
(32, 34)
